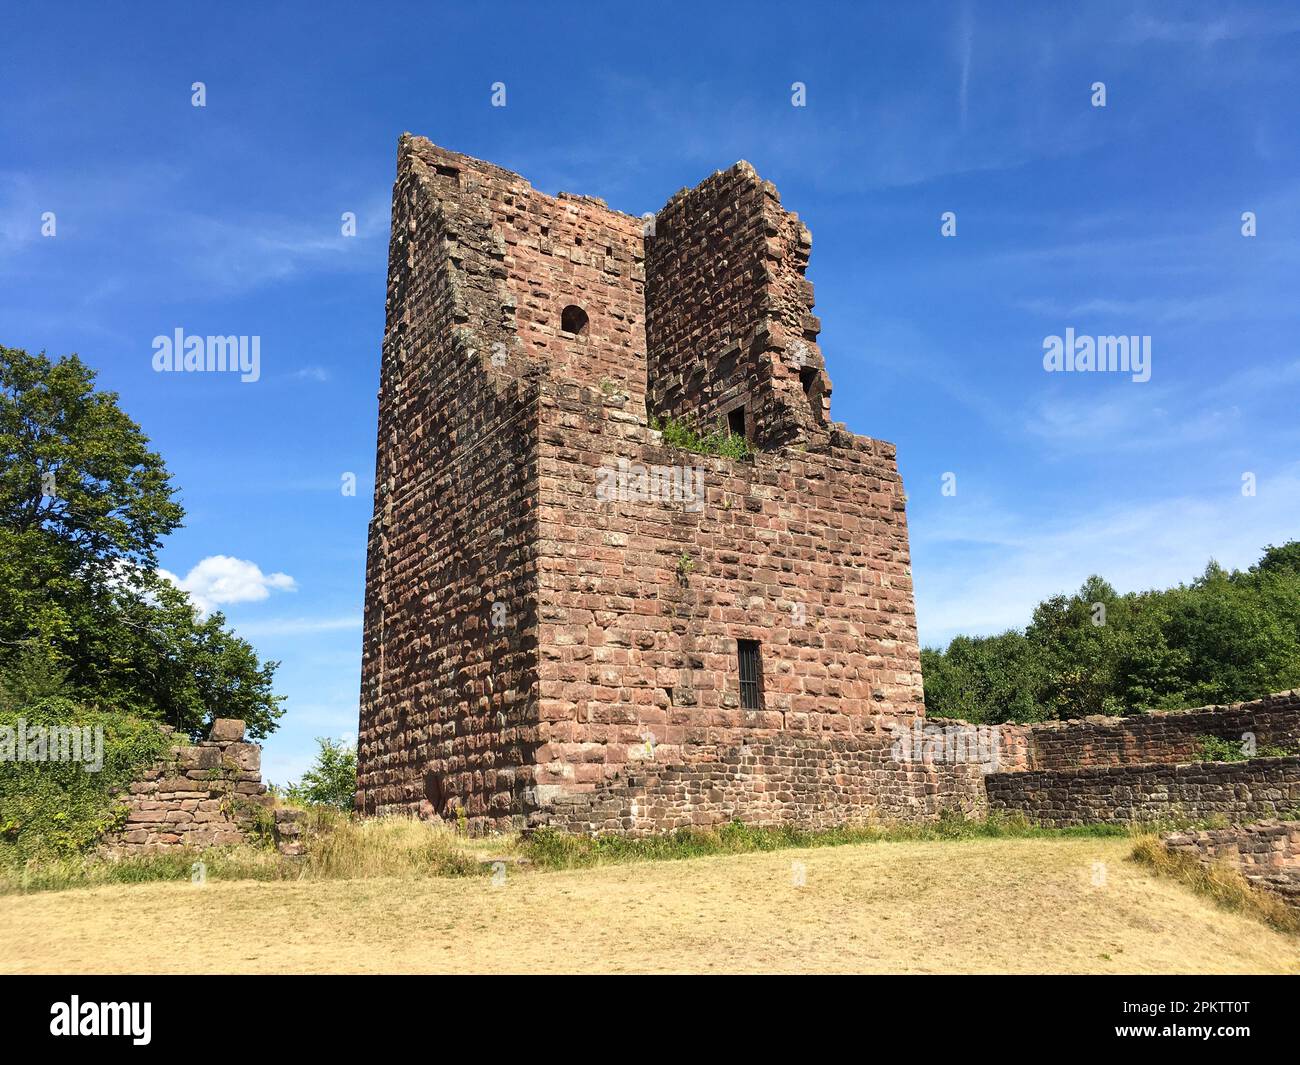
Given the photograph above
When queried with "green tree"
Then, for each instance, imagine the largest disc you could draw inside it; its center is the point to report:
(985, 679)
(1077, 637)
(84, 506)
(1225, 637)
(332, 778)
(1238, 644)
(1284, 559)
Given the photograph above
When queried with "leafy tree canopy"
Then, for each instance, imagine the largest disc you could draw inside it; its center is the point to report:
(1225, 637)
(84, 506)
(332, 778)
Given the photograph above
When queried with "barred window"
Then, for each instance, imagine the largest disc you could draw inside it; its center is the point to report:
(751, 675)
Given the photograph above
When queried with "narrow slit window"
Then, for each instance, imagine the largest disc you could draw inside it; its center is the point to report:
(736, 421)
(751, 675)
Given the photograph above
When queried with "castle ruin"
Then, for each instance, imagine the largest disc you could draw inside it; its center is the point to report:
(568, 622)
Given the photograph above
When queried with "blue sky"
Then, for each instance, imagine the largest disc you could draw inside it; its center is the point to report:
(1126, 219)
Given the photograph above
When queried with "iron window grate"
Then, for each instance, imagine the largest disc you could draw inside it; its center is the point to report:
(751, 675)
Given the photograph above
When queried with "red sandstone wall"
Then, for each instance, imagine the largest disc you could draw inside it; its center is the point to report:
(205, 794)
(727, 303)
(1155, 792)
(572, 250)
(803, 551)
(449, 660)
(1162, 737)
(800, 780)
(1262, 845)
(1267, 853)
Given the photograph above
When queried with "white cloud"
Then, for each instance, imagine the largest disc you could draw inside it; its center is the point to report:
(220, 579)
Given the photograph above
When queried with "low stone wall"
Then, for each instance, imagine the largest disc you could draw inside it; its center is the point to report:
(203, 795)
(1259, 846)
(804, 782)
(1171, 737)
(1266, 853)
(1239, 791)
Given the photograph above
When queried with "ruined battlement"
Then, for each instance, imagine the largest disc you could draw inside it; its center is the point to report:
(552, 593)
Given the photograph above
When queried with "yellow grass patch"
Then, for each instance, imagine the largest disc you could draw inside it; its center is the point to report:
(1002, 905)
(1218, 881)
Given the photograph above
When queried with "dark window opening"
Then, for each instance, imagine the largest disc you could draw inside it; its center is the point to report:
(815, 389)
(736, 421)
(574, 320)
(751, 675)
(433, 791)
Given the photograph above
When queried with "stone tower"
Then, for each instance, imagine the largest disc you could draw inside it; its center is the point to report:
(569, 622)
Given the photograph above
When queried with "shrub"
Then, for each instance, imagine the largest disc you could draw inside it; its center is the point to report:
(688, 437)
(84, 507)
(1215, 749)
(341, 847)
(1228, 636)
(51, 808)
(552, 849)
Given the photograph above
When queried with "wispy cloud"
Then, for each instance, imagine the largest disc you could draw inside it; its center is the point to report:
(203, 251)
(317, 374)
(1131, 416)
(299, 626)
(239, 253)
(965, 44)
(1189, 411)
(1150, 311)
(1215, 28)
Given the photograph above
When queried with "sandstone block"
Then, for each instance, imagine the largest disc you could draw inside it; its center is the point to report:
(227, 730)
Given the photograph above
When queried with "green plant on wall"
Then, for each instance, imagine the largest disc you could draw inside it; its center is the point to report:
(254, 817)
(1215, 749)
(686, 436)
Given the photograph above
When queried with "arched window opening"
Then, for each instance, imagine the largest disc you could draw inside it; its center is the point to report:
(573, 319)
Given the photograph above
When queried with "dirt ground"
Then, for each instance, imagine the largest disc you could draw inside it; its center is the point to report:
(1004, 906)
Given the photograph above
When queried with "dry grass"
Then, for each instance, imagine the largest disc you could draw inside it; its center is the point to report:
(1217, 881)
(1004, 905)
(343, 848)
(339, 848)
